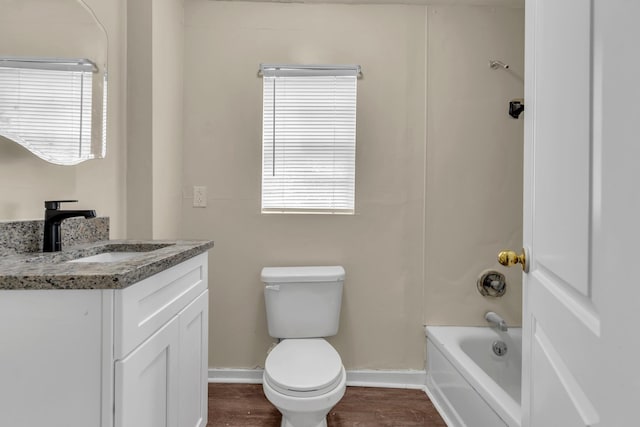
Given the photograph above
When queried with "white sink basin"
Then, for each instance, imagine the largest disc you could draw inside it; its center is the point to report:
(109, 257)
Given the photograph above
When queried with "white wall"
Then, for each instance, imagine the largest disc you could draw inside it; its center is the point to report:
(26, 181)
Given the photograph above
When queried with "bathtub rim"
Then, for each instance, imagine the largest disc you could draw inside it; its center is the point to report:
(449, 345)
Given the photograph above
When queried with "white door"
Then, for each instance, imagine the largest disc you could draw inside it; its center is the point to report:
(193, 363)
(146, 392)
(582, 213)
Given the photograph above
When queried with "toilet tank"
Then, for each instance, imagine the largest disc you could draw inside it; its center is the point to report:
(303, 302)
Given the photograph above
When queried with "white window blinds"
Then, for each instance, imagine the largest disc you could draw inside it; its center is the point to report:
(48, 109)
(309, 139)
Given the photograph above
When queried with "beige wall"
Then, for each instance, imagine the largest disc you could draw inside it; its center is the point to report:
(26, 181)
(438, 169)
(380, 246)
(438, 162)
(168, 59)
(474, 161)
(139, 119)
(155, 44)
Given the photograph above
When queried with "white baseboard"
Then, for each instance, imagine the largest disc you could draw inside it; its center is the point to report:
(390, 379)
(242, 376)
(359, 378)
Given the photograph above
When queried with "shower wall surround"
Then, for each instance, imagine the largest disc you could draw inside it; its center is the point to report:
(473, 202)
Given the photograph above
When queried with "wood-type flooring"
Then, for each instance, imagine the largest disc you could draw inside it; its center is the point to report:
(245, 405)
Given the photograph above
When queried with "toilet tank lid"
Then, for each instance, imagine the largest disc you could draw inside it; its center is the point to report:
(302, 274)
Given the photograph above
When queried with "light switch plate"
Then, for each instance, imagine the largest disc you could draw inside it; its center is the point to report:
(199, 196)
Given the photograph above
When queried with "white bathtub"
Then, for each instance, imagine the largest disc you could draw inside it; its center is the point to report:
(470, 385)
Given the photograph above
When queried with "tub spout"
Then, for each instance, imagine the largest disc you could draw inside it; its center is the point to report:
(495, 320)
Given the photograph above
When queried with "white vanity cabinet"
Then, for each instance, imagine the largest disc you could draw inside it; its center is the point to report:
(132, 357)
(161, 349)
(144, 395)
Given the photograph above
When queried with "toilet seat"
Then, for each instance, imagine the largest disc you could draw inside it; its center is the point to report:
(303, 367)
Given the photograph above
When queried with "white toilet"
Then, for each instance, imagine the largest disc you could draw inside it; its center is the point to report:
(303, 374)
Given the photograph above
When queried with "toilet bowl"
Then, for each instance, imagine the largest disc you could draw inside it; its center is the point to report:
(304, 379)
(303, 375)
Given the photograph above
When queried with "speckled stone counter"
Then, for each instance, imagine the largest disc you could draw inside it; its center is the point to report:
(26, 236)
(53, 271)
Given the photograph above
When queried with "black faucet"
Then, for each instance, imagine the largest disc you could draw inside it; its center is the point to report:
(53, 217)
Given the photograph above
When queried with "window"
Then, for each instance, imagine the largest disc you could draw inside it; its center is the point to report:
(308, 138)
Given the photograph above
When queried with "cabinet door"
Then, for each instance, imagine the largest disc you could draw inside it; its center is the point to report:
(53, 344)
(192, 403)
(145, 382)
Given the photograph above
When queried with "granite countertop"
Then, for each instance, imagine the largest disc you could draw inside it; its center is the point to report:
(39, 270)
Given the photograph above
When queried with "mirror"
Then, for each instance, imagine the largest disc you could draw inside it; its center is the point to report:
(58, 31)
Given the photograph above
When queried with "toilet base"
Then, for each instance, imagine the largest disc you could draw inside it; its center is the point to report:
(302, 411)
(302, 420)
